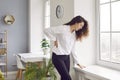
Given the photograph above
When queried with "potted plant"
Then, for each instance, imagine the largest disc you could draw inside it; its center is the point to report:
(1, 76)
(45, 46)
(43, 72)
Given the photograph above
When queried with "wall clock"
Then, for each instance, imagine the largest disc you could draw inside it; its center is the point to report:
(59, 11)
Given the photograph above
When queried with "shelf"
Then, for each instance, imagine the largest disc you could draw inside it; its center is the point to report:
(3, 43)
(2, 32)
(3, 51)
(2, 64)
(3, 55)
(4, 73)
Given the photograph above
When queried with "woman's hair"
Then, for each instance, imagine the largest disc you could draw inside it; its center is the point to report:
(81, 32)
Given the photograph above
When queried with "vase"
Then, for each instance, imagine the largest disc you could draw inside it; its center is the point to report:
(46, 78)
(46, 51)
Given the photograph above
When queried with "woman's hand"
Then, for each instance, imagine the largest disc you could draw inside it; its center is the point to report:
(56, 43)
(81, 66)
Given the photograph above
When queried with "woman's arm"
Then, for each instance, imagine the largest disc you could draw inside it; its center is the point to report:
(52, 31)
(81, 66)
(56, 43)
(50, 34)
(75, 57)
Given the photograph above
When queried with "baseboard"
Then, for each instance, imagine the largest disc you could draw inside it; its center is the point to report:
(12, 72)
(11, 75)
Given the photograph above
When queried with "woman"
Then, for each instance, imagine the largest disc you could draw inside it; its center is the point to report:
(64, 37)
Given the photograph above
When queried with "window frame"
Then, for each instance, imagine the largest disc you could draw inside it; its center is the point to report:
(98, 60)
(45, 13)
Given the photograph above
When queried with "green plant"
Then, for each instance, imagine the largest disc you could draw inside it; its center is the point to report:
(35, 72)
(45, 44)
(1, 76)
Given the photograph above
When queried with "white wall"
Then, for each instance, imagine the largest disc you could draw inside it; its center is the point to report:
(86, 49)
(36, 24)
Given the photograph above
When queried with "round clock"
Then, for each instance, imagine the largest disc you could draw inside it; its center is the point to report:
(59, 11)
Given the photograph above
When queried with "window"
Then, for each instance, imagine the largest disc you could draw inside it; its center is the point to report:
(109, 31)
(47, 17)
(47, 14)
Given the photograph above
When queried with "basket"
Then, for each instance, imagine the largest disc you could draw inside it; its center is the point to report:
(2, 51)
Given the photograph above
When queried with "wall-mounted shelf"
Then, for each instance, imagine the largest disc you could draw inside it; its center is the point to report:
(9, 19)
(3, 52)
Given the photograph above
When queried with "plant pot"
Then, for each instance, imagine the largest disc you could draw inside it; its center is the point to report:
(46, 51)
(46, 78)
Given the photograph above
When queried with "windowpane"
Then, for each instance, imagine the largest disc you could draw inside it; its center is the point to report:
(105, 17)
(104, 1)
(115, 0)
(47, 22)
(105, 46)
(115, 56)
(47, 8)
(47, 14)
(116, 16)
(110, 30)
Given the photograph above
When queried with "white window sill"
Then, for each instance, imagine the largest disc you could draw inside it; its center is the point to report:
(99, 72)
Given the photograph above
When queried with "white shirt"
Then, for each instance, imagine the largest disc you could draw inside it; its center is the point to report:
(65, 38)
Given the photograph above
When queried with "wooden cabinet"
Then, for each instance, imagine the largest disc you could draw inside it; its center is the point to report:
(3, 52)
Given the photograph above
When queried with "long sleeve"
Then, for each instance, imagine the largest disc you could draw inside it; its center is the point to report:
(75, 57)
(50, 34)
(52, 31)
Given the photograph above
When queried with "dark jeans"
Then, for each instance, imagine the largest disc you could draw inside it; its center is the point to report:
(62, 64)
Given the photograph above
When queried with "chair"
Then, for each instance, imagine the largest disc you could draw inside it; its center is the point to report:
(20, 67)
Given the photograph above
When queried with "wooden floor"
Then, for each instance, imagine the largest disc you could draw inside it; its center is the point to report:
(11, 76)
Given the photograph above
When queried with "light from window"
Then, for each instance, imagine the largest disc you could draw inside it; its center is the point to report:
(110, 30)
(115, 16)
(104, 1)
(115, 54)
(47, 17)
(47, 14)
(47, 8)
(105, 17)
(105, 46)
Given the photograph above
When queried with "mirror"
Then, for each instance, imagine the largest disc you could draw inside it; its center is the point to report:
(9, 19)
